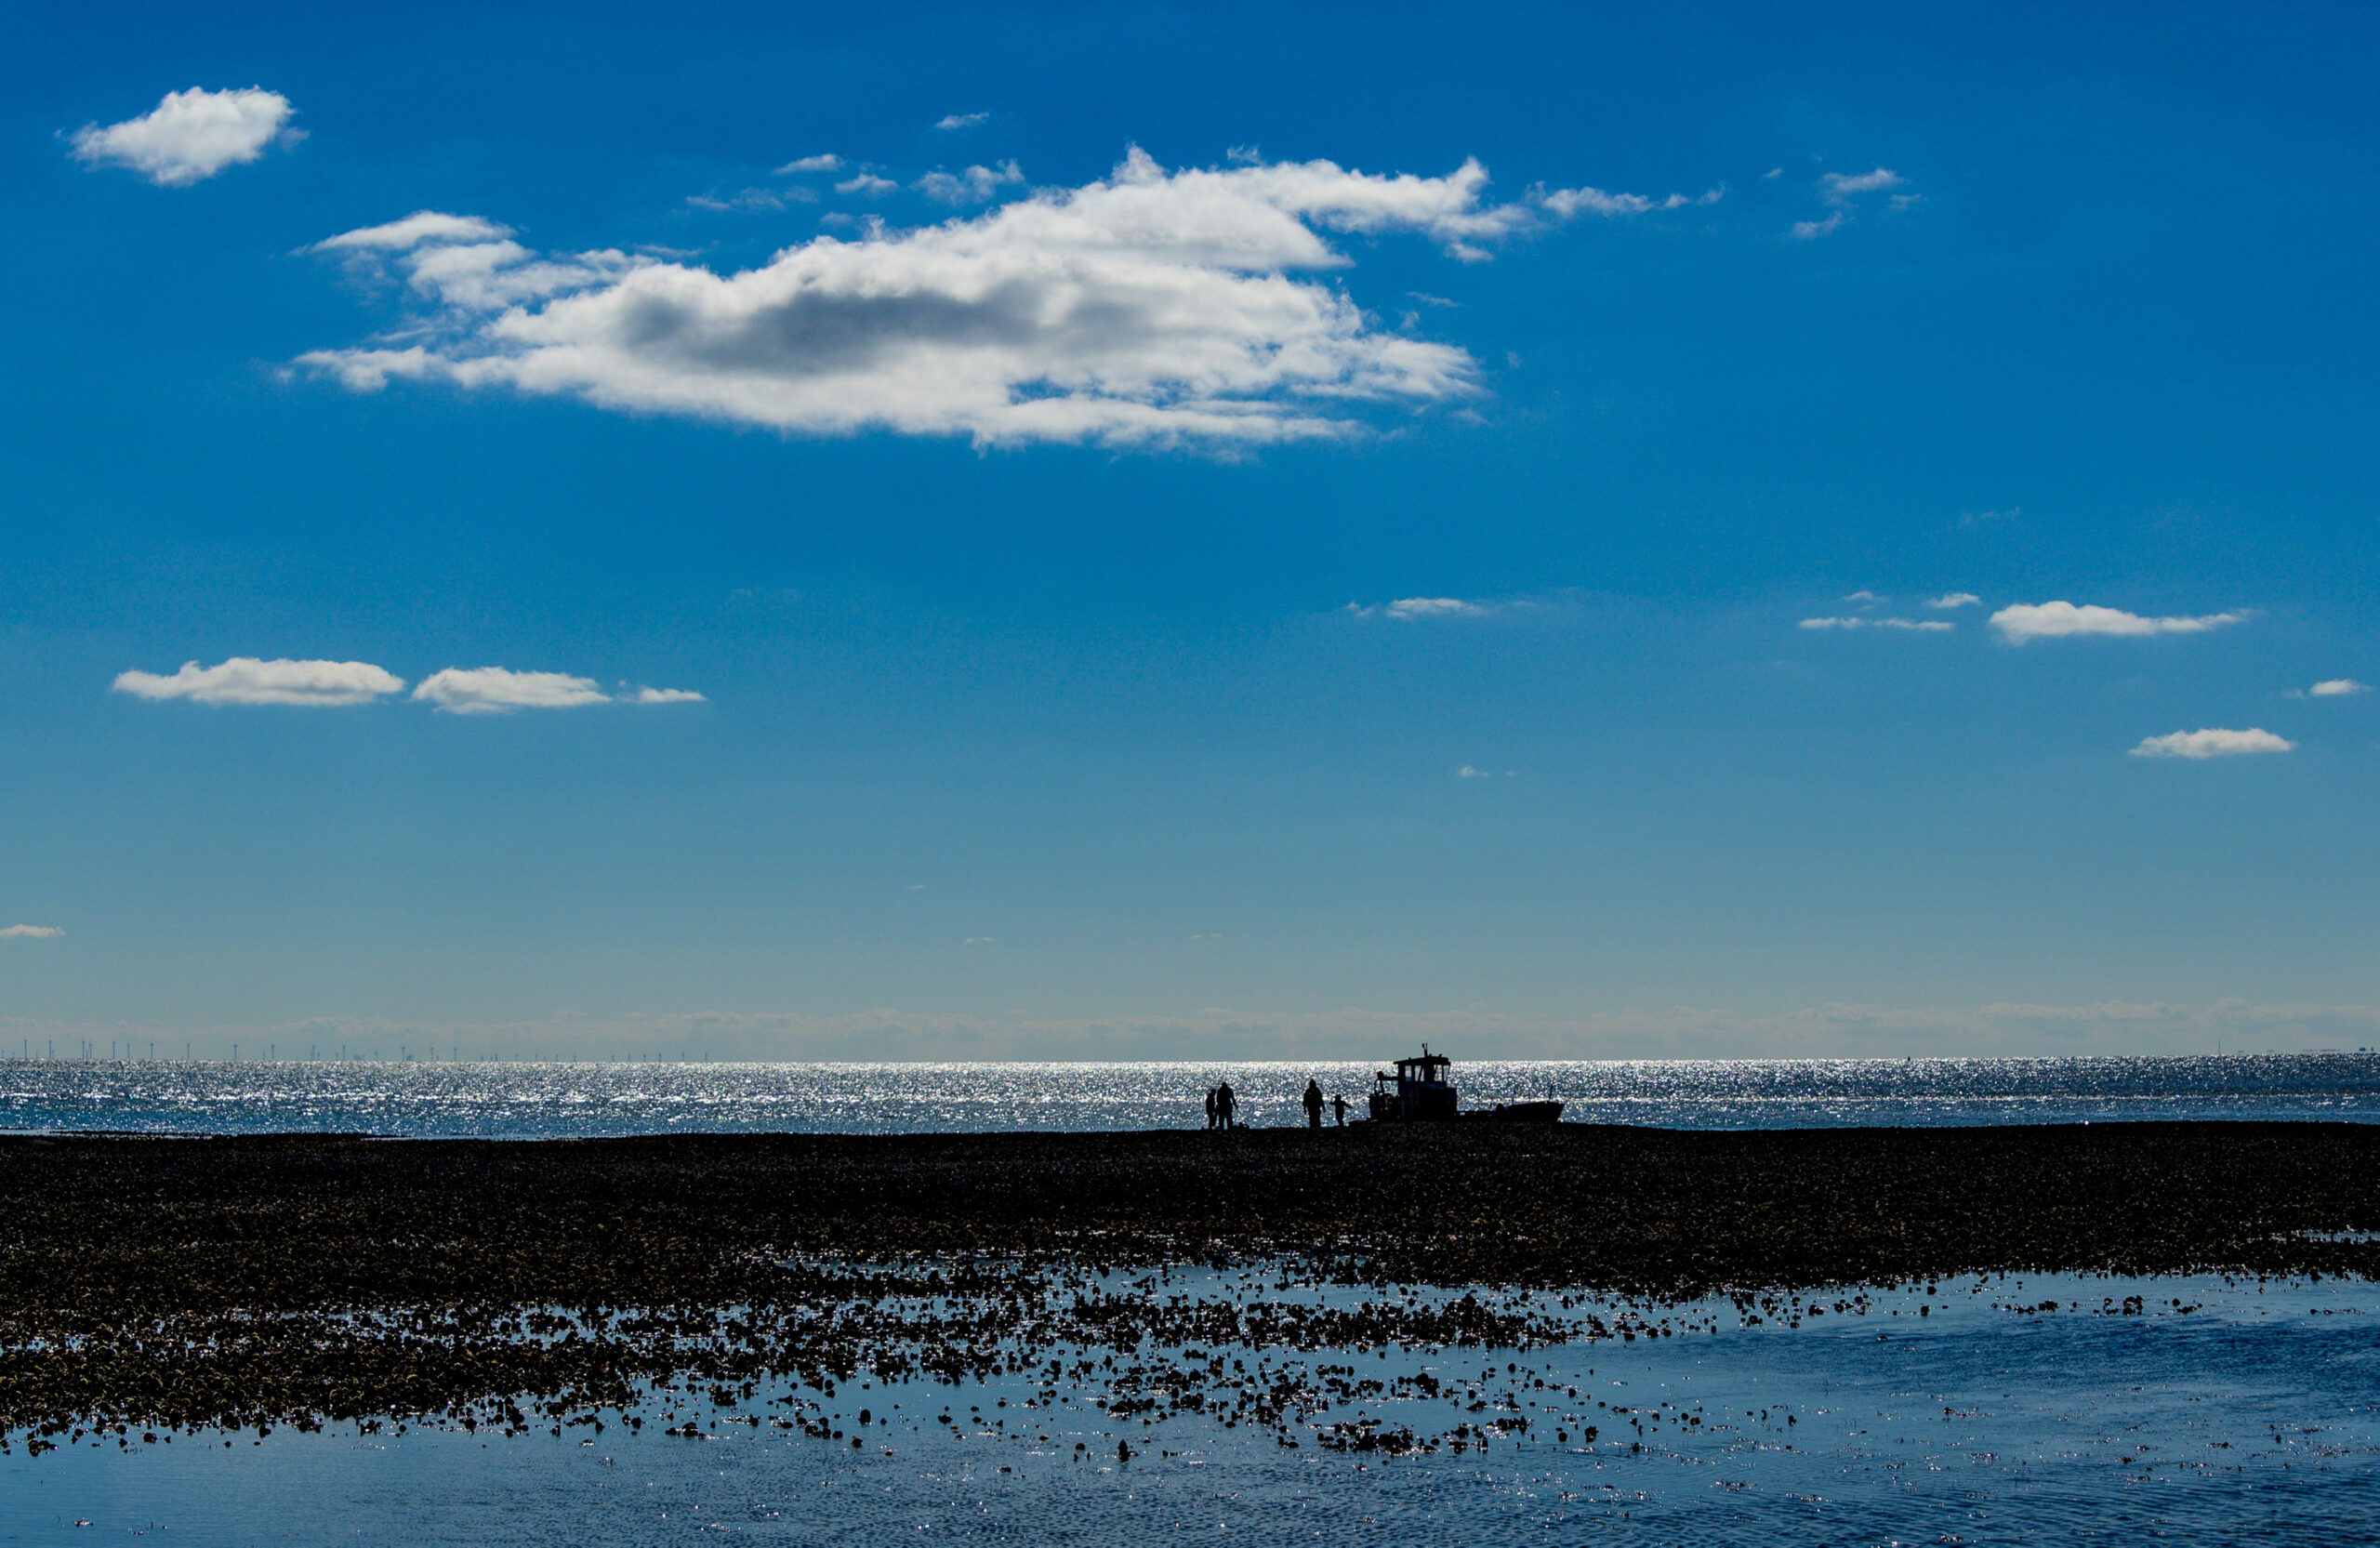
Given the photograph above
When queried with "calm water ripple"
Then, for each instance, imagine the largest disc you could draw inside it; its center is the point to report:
(2201, 1410)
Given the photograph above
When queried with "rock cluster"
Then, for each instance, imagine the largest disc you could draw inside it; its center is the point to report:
(154, 1287)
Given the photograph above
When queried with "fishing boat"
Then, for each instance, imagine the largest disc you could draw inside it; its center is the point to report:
(1421, 1093)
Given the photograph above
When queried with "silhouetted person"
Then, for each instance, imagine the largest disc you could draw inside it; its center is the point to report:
(1225, 1103)
(1338, 1106)
(1313, 1105)
(1210, 1107)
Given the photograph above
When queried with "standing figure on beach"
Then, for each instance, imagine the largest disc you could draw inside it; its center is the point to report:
(1338, 1106)
(1224, 1104)
(1210, 1107)
(1312, 1105)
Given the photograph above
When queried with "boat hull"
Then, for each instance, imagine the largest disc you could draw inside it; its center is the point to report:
(1522, 1112)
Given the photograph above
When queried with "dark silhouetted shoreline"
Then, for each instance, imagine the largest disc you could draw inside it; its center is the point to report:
(292, 1279)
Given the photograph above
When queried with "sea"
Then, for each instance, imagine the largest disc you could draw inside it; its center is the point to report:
(1989, 1409)
(571, 1100)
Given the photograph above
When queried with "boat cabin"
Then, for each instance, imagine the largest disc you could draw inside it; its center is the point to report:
(1419, 1089)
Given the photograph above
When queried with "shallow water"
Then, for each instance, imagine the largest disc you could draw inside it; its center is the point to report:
(517, 1101)
(2255, 1415)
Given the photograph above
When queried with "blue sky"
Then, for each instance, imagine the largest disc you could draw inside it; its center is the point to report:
(1020, 427)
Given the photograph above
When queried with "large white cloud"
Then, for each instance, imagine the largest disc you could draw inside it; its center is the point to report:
(1149, 306)
(2213, 742)
(190, 136)
(246, 680)
(2053, 621)
(499, 690)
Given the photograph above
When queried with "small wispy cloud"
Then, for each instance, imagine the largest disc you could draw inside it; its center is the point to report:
(247, 680)
(1841, 188)
(31, 933)
(190, 136)
(1863, 595)
(1989, 518)
(423, 226)
(867, 183)
(2337, 687)
(1917, 625)
(2214, 742)
(961, 120)
(1564, 202)
(500, 691)
(1841, 191)
(1949, 600)
(829, 163)
(1410, 608)
(752, 199)
(2054, 621)
(974, 186)
(663, 696)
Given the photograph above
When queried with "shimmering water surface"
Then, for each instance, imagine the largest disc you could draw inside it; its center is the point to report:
(523, 1101)
(2189, 1409)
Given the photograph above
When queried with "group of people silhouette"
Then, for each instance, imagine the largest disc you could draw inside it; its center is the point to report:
(1223, 1103)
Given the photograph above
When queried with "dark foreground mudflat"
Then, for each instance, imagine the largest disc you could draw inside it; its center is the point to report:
(187, 1282)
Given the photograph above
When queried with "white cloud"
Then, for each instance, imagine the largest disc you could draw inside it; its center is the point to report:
(974, 186)
(867, 183)
(1564, 202)
(664, 695)
(753, 199)
(421, 226)
(829, 163)
(1863, 595)
(461, 261)
(1467, 771)
(2053, 621)
(1949, 600)
(1410, 608)
(961, 120)
(31, 933)
(1839, 188)
(1919, 626)
(191, 136)
(2337, 687)
(1432, 607)
(246, 680)
(2211, 743)
(1151, 307)
(496, 690)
